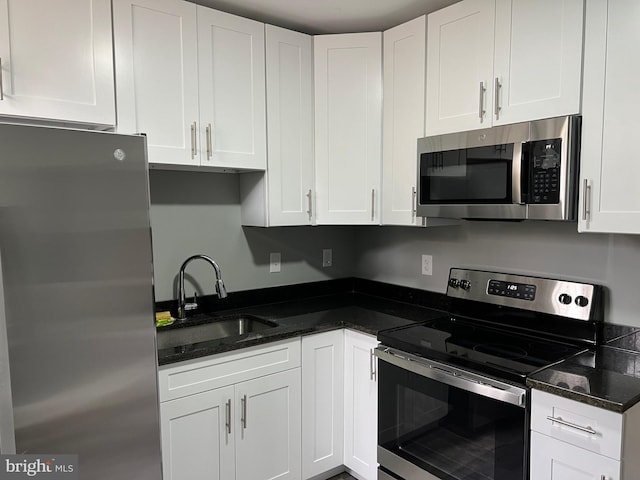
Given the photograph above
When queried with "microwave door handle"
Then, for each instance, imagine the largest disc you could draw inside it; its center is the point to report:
(516, 173)
(7, 430)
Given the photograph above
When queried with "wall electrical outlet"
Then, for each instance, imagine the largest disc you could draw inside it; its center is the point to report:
(427, 265)
(274, 262)
(327, 257)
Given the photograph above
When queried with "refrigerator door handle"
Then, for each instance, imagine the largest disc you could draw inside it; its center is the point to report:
(7, 430)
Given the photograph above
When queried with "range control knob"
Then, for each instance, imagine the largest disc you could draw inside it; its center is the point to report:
(565, 299)
(582, 301)
(465, 284)
(454, 282)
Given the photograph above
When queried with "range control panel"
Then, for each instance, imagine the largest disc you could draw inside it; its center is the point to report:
(557, 297)
(524, 291)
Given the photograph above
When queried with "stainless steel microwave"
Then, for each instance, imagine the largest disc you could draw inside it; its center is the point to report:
(512, 172)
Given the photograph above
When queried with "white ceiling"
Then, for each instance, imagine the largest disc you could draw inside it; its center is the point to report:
(329, 16)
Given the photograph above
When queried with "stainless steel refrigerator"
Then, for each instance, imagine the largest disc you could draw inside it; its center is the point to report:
(78, 362)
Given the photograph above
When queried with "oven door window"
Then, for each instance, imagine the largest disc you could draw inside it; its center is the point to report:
(467, 176)
(449, 432)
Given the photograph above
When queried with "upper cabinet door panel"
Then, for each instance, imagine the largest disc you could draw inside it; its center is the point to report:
(57, 60)
(610, 119)
(538, 59)
(348, 114)
(157, 76)
(290, 125)
(404, 60)
(460, 59)
(232, 90)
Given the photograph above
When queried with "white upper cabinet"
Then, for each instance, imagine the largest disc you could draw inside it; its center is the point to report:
(284, 194)
(460, 66)
(56, 60)
(403, 119)
(232, 90)
(609, 170)
(192, 79)
(348, 127)
(537, 76)
(157, 76)
(476, 79)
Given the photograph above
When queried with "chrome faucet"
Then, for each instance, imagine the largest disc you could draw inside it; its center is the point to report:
(183, 306)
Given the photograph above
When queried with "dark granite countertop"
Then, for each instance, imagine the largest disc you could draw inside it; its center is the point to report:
(607, 376)
(359, 311)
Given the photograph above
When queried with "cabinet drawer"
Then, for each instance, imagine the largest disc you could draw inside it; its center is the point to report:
(199, 375)
(584, 426)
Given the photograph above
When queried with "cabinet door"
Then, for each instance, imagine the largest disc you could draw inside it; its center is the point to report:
(552, 459)
(198, 436)
(609, 168)
(538, 59)
(404, 117)
(348, 125)
(232, 90)
(322, 402)
(57, 60)
(460, 67)
(360, 405)
(157, 76)
(290, 126)
(268, 423)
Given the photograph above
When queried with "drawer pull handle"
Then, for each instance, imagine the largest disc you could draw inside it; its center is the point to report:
(586, 429)
(228, 419)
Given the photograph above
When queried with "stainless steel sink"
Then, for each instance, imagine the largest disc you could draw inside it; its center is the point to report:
(221, 327)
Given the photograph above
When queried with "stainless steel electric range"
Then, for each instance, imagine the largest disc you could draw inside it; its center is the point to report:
(452, 400)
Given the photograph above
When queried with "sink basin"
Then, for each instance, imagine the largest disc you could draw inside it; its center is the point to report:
(219, 327)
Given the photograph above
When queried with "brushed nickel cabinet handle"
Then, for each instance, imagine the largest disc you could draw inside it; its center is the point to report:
(497, 98)
(372, 365)
(309, 210)
(194, 151)
(1, 87)
(481, 110)
(586, 200)
(561, 421)
(414, 203)
(243, 418)
(228, 419)
(373, 203)
(209, 143)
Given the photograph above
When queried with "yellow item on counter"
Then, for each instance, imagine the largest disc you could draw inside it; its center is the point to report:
(163, 319)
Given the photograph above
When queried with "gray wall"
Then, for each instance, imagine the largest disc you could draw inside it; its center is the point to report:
(200, 213)
(393, 254)
(195, 212)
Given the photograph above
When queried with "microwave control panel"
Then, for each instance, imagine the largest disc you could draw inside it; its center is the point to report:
(545, 170)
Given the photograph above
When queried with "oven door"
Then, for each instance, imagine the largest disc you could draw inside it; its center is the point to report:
(439, 422)
(472, 174)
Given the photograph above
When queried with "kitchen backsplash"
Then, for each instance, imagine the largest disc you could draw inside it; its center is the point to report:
(200, 213)
(392, 254)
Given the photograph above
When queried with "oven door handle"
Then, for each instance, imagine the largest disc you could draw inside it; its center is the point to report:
(455, 377)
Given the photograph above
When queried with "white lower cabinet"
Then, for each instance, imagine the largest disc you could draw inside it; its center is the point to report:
(248, 429)
(552, 459)
(571, 440)
(267, 423)
(197, 438)
(322, 402)
(360, 405)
